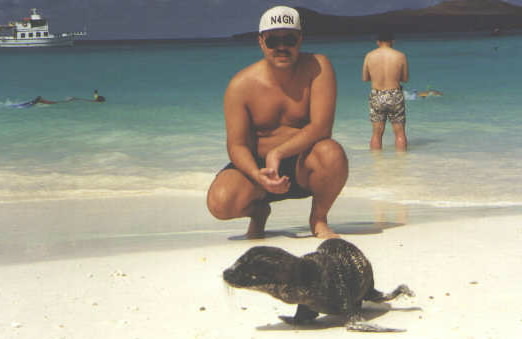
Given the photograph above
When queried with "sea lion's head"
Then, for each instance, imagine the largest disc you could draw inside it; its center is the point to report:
(274, 271)
(260, 266)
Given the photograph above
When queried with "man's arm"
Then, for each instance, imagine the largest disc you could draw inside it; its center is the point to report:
(323, 94)
(366, 71)
(405, 76)
(239, 138)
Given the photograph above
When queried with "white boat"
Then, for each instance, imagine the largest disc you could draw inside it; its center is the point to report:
(34, 32)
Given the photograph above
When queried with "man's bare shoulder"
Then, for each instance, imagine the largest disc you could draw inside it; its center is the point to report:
(309, 59)
(313, 64)
(373, 52)
(317, 57)
(395, 52)
(247, 76)
(399, 53)
(385, 53)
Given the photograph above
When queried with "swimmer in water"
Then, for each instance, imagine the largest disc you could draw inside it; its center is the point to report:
(40, 100)
(97, 97)
(429, 93)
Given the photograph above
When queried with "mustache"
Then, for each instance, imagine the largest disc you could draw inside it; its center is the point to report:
(282, 52)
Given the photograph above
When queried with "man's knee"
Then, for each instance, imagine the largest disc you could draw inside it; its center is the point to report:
(330, 155)
(230, 194)
(220, 202)
(325, 168)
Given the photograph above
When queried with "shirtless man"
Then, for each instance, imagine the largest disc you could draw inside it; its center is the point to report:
(279, 114)
(386, 68)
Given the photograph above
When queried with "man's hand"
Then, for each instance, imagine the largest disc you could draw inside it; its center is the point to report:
(272, 182)
(269, 177)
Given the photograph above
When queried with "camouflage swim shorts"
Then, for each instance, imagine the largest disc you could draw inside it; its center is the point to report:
(387, 104)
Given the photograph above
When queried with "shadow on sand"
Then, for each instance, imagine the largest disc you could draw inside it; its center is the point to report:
(369, 312)
(301, 232)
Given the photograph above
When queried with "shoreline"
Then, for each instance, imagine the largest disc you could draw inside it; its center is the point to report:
(49, 230)
(115, 282)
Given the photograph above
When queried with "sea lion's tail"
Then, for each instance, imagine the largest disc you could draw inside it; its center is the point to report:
(379, 297)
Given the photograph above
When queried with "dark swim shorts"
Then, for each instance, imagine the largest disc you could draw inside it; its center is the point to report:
(287, 167)
(387, 103)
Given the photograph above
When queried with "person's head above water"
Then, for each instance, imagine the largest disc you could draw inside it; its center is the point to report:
(97, 97)
(385, 36)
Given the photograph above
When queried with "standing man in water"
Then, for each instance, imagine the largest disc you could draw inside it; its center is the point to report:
(386, 68)
(279, 114)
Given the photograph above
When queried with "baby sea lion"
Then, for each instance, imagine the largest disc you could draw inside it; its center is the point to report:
(335, 279)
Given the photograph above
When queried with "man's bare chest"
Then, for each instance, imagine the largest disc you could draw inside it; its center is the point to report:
(272, 109)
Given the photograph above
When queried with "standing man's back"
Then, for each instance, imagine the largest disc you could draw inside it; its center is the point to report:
(386, 68)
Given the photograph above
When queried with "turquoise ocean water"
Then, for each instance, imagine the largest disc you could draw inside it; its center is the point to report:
(161, 129)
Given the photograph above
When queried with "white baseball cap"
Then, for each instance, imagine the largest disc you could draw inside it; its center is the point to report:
(280, 17)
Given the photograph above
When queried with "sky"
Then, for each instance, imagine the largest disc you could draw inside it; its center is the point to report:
(181, 19)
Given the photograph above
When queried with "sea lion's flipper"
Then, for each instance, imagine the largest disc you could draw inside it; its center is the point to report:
(303, 315)
(363, 327)
(379, 297)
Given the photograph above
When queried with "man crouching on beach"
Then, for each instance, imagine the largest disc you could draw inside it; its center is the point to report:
(279, 114)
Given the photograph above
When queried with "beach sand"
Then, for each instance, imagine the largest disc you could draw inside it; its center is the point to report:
(150, 267)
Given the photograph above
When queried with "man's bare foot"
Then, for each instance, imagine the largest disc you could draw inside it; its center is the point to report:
(327, 235)
(321, 230)
(254, 236)
(256, 227)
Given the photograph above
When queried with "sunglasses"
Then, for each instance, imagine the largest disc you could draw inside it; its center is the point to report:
(289, 40)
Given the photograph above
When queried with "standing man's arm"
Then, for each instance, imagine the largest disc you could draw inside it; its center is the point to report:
(241, 142)
(323, 96)
(405, 76)
(366, 71)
